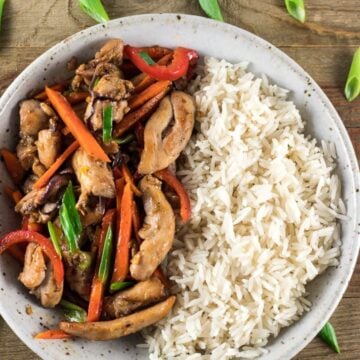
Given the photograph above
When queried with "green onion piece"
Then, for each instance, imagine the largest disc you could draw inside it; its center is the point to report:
(146, 57)
(95, 82)
(352, 87)
(54, 236)
(328, 335)
(73, 312)
(120, 285)
(126, 139)
(211, 9)
(2, 2)
(104, 267)
(85, 260)
(107, 123)
(296, 9)
(95, 9)
(70, 219)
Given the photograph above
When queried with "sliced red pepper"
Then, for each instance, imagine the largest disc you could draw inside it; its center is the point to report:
(185, 207)
(20, 236)
(175, 70)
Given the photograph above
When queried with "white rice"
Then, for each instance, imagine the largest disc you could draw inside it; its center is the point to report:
(265, 203)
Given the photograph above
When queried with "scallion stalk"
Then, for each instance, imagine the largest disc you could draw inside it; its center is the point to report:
(54, 237)
(352, 87)
(73, 312)
(296, 9)
(146, 57)
(120, 285)
(2, 2)
(104, 267)
(328, 335)
(95, 9)
(107, 123)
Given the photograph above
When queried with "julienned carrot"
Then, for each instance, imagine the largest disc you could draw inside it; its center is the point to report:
(58, 87)
(142, 81)
(139, 99)
(121, 265)
(75, 125)
(77, 97)
(44, 179)
(13, 166)
(185, 207)
(14, 195)
(129, 180)
(133, 117)
(55, 334)
(98, 287)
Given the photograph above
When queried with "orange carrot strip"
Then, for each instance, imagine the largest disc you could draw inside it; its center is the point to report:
(44, 179)
(14, 195)
(129, 179)
(185, 207)
(77, 97)
(133, 117)
(54, 334)
(13, 166)
(97, 287)
(142, 81)
(121, 265)
(58, 87)
(76, 126)
(139, 99)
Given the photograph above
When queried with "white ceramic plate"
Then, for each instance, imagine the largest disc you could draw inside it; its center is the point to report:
(209, 38)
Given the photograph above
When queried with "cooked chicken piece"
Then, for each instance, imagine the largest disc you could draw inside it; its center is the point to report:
(48, 110)
(142, 294)
(29, 183)
(32, 118)
(158, 230)
(30, 201)
(95, 211)
(26, 152)
(38, 168)
(113, 329)
(160, 151)
(33, 273)
(48, 292)
(78, 271)
(111, 51)
(94, 176)
(111, 86)
(48, 146)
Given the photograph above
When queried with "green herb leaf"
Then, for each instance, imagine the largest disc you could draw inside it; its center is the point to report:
(107, 123)
(352, 87)
(146, 57)
(328, 335)
(95, 9)
(104, 267)
(120, 285)
(126, 139)
(296, 9)
(211, 9)
(54, 236)
(70, 219)
(73, 312)
(2, 2)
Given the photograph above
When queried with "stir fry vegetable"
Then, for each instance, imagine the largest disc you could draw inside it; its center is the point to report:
(73, 312)
(107, 123)
(13, 166)
(54, 237)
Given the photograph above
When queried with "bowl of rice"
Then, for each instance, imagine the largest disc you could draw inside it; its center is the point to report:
(274, 186)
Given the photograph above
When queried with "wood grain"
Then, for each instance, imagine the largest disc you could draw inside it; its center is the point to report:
(323, 46)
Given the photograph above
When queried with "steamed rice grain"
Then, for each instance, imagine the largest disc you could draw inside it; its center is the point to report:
(265, 203)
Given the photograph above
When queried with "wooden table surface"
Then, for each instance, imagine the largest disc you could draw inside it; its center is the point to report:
(323, 46)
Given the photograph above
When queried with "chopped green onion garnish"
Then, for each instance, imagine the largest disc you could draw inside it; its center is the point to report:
(73, 312)
(54, 236)
(126, 139)
(120, 285)
(352, 87)
(95, 82)
(328, 335)
(296, 9)
(107, 123)
(104, 267)
(95, 9)
(146, 57)
(70, 219)
(2, 2)
(211, 9)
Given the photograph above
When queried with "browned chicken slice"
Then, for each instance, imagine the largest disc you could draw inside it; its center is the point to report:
(48, 146)
(111, 51)
(113, 329)
(94, 176)
(158, 230)
(142, 294)
(26, 152)
(32, 118)
(161, 150)
(33, 273)
(111, 86)
(48, 292)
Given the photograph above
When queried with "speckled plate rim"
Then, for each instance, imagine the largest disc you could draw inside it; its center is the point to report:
(291, 64)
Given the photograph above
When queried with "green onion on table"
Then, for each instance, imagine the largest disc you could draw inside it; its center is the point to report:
(352, 87)
(95, 9)
(296, 9)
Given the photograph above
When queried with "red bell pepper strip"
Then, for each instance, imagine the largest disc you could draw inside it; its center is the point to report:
(185, 207)
(175, 70)
(20, 236)
(55, 334)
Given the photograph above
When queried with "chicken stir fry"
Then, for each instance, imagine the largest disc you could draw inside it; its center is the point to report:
(95, 185)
